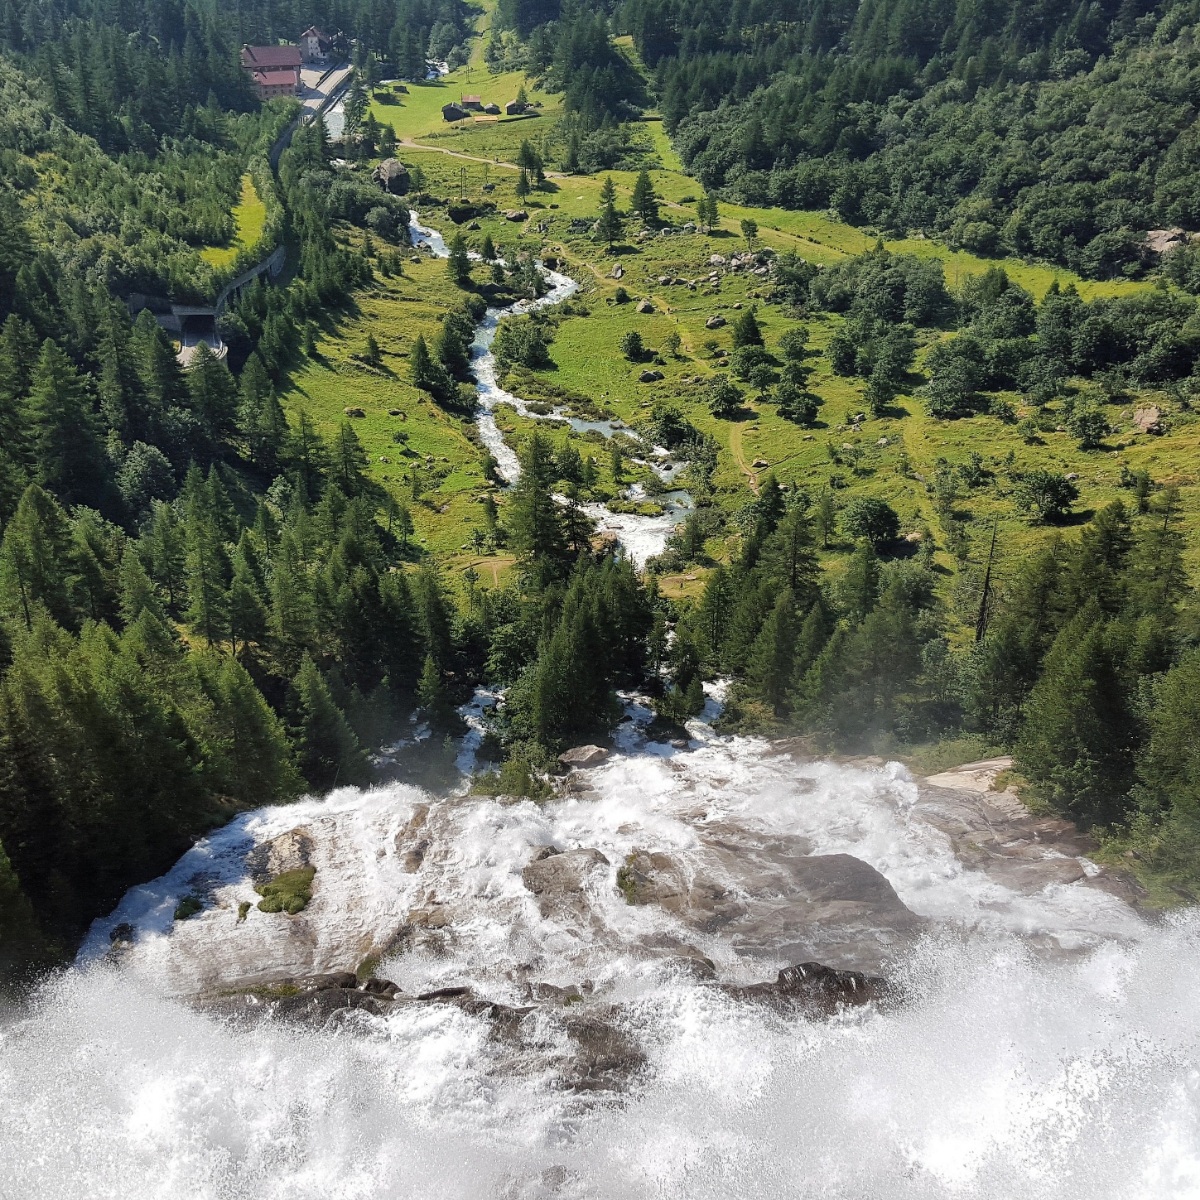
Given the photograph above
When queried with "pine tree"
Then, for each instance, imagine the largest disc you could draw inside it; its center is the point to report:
(348, 469)
(213, 393)
(247, 613)
(1076, 747)
(860, 586)
(769, 668)
(67, 448)
(458, 262)
(292, 618)
(35, 561)
(533, 519)
(327, 750)
(250, 755)
(206, 568)
(260, 416)
(746, 330)
(610, 226)
(645, 201)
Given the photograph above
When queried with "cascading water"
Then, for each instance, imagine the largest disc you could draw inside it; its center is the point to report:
(641, 536)
(1043, 1044)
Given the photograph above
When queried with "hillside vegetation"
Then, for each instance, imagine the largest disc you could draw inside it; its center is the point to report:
(944, 480)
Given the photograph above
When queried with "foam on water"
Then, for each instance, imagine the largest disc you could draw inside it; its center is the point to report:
(642, 537)
(1004, 1074)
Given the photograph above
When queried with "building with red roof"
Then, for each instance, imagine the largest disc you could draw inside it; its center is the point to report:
(274, 70)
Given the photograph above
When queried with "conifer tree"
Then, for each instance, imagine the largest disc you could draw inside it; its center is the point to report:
(247, 613)
(213, 393)
(35, 560)
(533, 520)
(645, 200)
(1076, 745)
(292, 617)
(66, 444)
(769, 667)
(746, 330)
(327, 750)
(458, 262)
(206, 568)
(348, 469)
(260, 416)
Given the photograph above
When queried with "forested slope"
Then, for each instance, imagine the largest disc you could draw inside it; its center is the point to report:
(1058, 130)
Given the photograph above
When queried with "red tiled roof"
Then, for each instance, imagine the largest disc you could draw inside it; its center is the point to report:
(262, 57)
(277, 77)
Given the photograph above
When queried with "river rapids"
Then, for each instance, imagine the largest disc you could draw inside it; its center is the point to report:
(571, 1010)
(1045, 1042)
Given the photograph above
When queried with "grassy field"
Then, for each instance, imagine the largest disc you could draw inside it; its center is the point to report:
(249, 217)
(897, 455)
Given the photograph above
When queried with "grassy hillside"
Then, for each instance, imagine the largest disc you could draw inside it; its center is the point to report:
(897, 455)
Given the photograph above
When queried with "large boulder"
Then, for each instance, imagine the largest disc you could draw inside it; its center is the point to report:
(583, 756)
(714, 322)
(559, 880)
(392, 175)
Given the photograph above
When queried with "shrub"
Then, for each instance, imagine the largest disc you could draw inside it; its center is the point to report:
(870, 518)
(632, 346)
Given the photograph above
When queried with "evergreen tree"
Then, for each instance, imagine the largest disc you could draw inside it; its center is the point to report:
(645, 201)
(1076, 745)
(35, 561)
(746, 330)
(327, 750)
(206, 568)
(458, 263)
(769, 668)
(66, 445)
(533, 520)
(260, 416)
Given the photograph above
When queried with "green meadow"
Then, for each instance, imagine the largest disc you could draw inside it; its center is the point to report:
(893, 457)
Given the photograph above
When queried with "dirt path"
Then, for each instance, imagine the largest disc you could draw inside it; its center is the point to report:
(735, 448)
(493, 566)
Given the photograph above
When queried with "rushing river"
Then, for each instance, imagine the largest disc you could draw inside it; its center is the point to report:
(641, 536)
(1046, 1044)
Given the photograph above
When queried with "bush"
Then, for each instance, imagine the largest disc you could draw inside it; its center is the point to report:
(1045, 494)
(632, 346)
(871, 518)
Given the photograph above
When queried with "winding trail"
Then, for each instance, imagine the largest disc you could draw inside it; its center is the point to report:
(735, 448)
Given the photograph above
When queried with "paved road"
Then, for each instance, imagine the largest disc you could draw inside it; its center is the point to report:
(319, 84)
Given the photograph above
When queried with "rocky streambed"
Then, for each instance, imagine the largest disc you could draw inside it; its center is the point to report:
(732, 866)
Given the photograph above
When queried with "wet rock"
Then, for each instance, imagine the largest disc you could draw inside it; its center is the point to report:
(291, 851)
(121, 933)
(605, 1056)
(559, 881)
(556, 995)
(788, 903)
(813, 988)
(583, 756)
